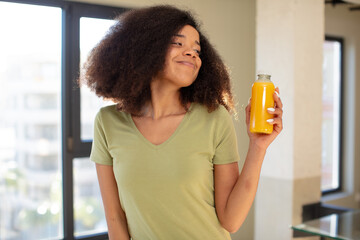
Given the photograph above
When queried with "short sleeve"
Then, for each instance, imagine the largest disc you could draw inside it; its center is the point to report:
(226, 150)
(99, 150)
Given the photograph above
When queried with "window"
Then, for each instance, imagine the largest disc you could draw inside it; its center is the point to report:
(48, 186)
(332, 115)
(88, 208)
(91, 32)
(41, 101)
(28, 209)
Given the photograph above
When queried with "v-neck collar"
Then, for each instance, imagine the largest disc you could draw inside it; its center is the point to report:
(173, 135)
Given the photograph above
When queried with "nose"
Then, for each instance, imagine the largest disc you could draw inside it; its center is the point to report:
(190, 52)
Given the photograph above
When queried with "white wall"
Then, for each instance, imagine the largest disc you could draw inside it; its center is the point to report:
(291, 172)
(341, 22)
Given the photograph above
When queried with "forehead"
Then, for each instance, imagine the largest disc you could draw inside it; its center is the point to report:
(189, 32)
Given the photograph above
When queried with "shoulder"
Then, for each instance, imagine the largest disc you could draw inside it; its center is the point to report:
(219, 116)
(219, 112)
(107, 109)
(110, 113)
(110, 110)
(216, 120)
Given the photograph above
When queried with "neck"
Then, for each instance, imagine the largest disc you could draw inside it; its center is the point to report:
(165, 101)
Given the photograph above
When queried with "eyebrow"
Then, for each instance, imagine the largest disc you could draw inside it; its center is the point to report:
(183, 36)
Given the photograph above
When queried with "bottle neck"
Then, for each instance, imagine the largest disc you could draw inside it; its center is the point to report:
(263, 78)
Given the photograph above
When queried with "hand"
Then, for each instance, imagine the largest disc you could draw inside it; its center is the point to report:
(264, 140)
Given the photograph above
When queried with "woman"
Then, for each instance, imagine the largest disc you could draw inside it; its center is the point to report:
(166, 153)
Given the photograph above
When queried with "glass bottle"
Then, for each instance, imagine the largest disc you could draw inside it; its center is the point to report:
(261, 99)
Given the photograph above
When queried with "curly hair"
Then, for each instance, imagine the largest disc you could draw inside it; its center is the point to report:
(122, 65)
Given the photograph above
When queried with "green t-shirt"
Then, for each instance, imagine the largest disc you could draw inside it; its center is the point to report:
(167, 190)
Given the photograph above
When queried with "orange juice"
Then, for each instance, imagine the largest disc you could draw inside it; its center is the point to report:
(261, 99)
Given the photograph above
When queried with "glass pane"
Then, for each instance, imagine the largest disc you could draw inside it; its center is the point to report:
(335, 226)
(331, 116)
(92, 30)
(88, 208)
(30, 127)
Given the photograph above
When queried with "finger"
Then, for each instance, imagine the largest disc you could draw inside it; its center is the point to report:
(277, 122)
(276, 111)
(279, 104)
(277, 99)
(274, 121)
(278, 128)
(247, 112)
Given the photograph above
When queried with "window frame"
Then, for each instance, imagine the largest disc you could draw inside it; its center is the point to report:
(340, 40)
(72, 145)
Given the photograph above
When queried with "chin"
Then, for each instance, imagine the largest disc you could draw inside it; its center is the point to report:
(187, 83)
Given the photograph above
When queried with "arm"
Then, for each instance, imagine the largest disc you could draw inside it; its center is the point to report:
(234, 193)
(115, 216)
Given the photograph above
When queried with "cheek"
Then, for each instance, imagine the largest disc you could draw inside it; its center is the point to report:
(167, 68)
(199, 63)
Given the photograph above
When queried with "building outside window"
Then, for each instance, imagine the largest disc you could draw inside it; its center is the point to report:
(33, 155)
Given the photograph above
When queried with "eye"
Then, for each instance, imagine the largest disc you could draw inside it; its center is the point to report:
(177, 43)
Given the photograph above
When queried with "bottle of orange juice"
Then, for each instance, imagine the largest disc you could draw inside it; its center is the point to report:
(261, 99)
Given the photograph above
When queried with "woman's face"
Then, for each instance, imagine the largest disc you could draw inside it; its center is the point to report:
(182, 61)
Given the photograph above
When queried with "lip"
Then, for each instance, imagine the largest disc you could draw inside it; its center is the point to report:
(186, 63)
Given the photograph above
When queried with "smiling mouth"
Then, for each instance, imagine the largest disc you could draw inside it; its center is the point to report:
(189, 64)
